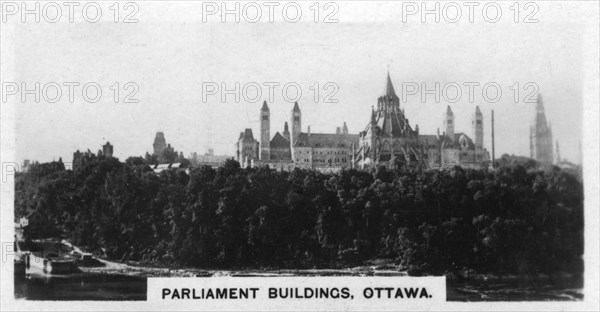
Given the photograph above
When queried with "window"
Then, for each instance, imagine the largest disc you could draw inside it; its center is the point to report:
(265, 117)
(479, 122)
(296, 118)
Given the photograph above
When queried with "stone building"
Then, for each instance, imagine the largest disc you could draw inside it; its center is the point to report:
(450, 148)
(320, 151)
(208, 159)
(79, 158)
(389, 139)
(388, 135)
(540, 136)
(163, 152)
(247, 148)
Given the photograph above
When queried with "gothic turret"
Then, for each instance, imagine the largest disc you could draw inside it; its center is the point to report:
(286, 131)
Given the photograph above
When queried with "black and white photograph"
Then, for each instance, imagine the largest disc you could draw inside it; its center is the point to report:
(300, 155)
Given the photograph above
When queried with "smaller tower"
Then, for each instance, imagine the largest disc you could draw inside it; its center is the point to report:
(557, 161)
(541, 135)
(477, 124)
(449, 123)
(265, 132)
(159, 144)
(286, 131)
(373, 119)
(77, 160)
(296, 122)
(107, 150)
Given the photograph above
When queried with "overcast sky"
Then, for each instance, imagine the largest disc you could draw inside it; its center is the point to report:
(170, 53)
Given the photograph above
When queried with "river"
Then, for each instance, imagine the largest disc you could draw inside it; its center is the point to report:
(110, 286)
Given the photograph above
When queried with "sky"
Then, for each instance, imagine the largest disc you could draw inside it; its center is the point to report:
(170, 54)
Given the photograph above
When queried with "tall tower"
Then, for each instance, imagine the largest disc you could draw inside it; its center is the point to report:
(540, 137)
(344, 128)
(265, 132)
(159, 144)
(449, 123)
(477, 124)
(296, 122)
(557, 160)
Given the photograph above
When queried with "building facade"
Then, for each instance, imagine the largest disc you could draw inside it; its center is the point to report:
(208, 159)
(450, 148)
(295, 148)
(387, 140)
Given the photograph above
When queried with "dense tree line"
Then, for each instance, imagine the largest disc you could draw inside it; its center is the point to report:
(511, 219)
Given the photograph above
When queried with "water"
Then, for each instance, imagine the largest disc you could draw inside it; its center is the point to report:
(516, 289)
(81, 286)
(102, 286)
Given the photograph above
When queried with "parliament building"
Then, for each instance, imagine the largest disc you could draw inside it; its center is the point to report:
(388, 139)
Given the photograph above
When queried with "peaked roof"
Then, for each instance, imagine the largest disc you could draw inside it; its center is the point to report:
(468, 140)
(265, 108)
(279, 141)
(247, 136)
(392, 124)
(477, 110)
(449, 111)
(296, 108)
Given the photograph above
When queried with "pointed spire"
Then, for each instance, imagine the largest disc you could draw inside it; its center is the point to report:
(478, 111)
(296, 107)
(389, 87)
(265, 107)
(345, 128)
(540, 104)
(449, 111)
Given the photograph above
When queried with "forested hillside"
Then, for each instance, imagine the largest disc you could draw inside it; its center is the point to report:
(509, 220)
